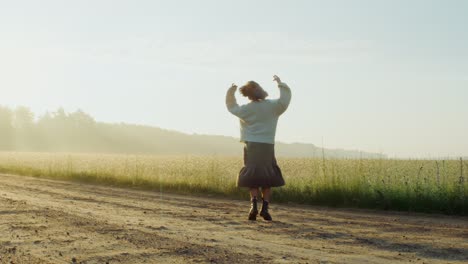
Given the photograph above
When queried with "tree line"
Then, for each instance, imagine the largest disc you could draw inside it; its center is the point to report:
(21, 130)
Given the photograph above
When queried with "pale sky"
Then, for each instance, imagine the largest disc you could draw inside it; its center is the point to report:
(383, 76)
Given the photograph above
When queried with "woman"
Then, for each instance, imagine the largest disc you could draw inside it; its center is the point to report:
(258, 120)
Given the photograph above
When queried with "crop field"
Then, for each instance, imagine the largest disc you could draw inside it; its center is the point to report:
(409, 185)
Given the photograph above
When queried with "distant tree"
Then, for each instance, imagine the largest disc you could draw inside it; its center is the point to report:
(55, 129)
(44, 139)
(23, 118)
(60, 114)
(84, 133)
(80, 119)
(64, 131)
(24, 127)
(6, 128)
(54, 121)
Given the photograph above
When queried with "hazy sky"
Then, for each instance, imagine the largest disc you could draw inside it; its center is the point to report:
(386, 76)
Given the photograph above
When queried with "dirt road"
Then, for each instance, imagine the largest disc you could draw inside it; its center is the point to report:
(46, 221)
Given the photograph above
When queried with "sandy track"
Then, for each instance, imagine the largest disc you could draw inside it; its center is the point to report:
(46, 221)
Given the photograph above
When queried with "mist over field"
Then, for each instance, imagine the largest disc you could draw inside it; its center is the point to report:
(79, 132)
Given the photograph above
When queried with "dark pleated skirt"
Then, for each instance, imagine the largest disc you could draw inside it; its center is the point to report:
(260, 167)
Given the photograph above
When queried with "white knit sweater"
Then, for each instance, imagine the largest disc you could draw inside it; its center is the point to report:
(258, 120)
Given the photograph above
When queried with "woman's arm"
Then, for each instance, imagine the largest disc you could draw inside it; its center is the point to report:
(285, 96)
(231, 102)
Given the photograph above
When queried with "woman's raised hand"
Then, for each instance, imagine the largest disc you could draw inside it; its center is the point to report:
(233, 86)
(276, 79)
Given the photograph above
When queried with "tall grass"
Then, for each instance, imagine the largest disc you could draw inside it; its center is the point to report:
(410, 185)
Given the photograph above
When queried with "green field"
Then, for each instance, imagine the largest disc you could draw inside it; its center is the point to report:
(408, 185)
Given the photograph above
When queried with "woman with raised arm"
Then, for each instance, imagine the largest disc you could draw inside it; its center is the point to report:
(258, 120)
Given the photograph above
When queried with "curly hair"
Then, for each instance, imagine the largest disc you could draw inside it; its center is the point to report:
(253, 91)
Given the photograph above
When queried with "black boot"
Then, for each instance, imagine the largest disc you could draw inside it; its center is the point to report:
(264, 212)
(253, 209)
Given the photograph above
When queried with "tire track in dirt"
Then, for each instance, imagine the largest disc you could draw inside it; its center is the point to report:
(55, 221)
